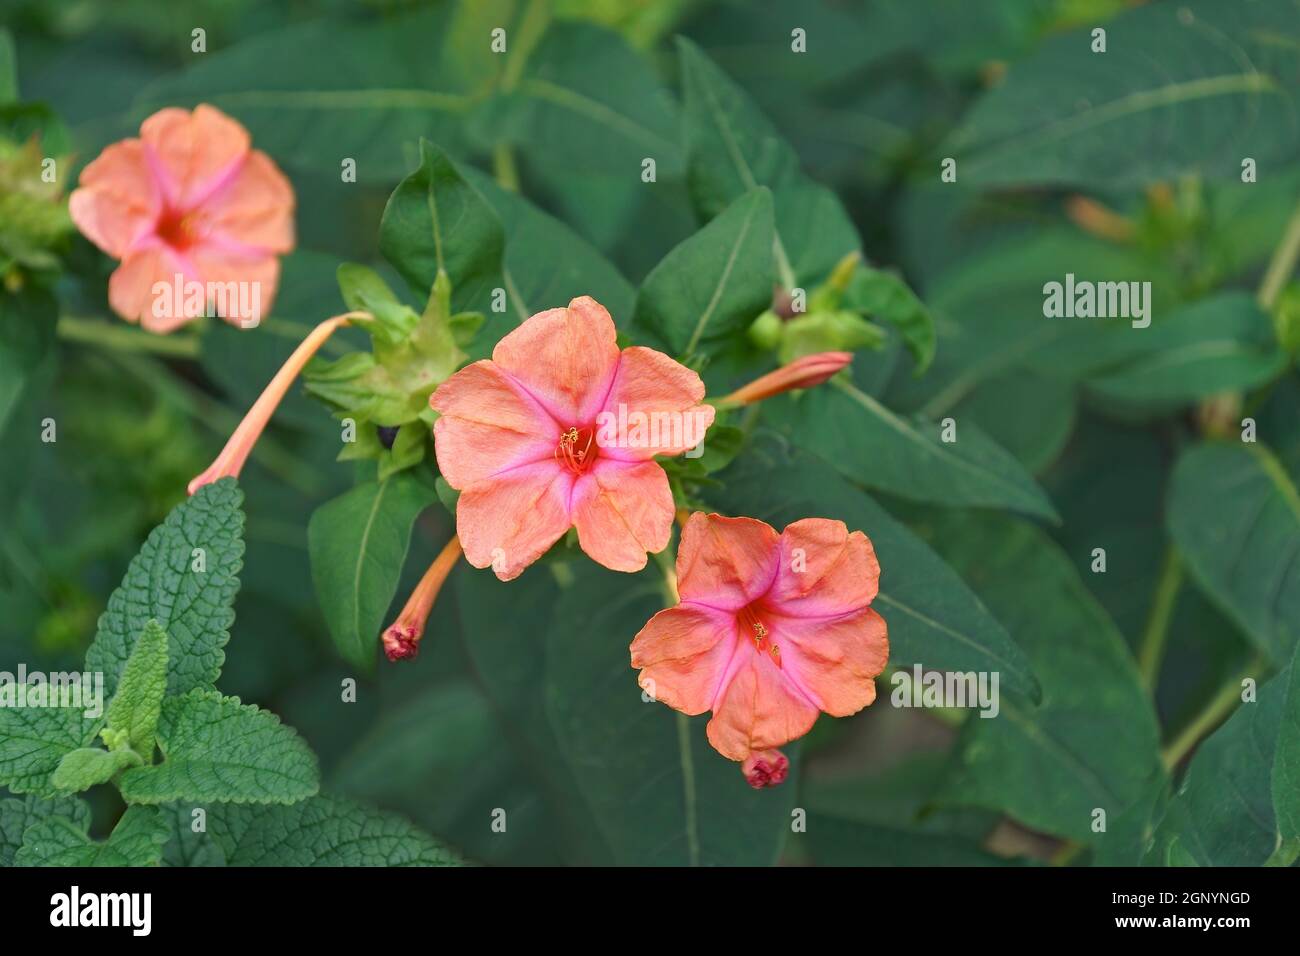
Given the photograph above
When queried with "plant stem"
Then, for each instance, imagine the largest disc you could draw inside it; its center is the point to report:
(1152, 649)
(1218, 708)
(126, 338)
(504, 168)
(1282, 265)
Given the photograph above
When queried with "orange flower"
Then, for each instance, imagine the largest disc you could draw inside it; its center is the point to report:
(770, 631)
(803, 372)
(188, 208)
(559, 429)
(401, 639)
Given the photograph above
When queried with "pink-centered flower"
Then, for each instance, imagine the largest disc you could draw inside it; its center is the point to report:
(189, 198)
(770, 631)
(559, 429)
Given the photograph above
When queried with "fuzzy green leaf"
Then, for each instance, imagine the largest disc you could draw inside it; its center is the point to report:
(137, 840)
(135, 707)
(215, 748)
(91, 766)
(19, 813)
(185, 577)
(34, 739)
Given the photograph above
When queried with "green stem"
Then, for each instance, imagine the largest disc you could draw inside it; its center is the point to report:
(1152, 649)
(1285, 855)
(126, 338)
(1218, 708)
(1282, 265)
(504, 168)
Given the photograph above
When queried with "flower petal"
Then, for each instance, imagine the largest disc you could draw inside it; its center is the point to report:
(758, 709)
(117, 202)
(660, 393)
(834, 661)
(725, 562)
(682, 654)
(249, 279)
(623, 510)
(510, 520)
(488, 424)
(566, 358)
(824, 569)
(131, 289)
(255, 208)
(195, 152)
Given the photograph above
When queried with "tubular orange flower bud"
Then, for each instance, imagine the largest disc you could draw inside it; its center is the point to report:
(1091, 216)
(231, 459)
(765, 768)
(402, 638)
(803, 372)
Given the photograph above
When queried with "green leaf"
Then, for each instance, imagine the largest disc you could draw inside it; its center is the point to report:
(358, 544)
(838, 842)
(732, 148)
(35, 738)
(708, 289)
(1238, 804)
(215, 748)
(1224, 343)
(185, 578)
(27, 323)
(583, 85)
(90, 766)
(1126, 117)
(1234, 514)
(19, 813)
(906, 455)
(1093, 741)
(8, 69)
(887, 298)
(435, 222)
(658, 793)
(323, 831)
(934, 619)
(137, 840)
(135, 707)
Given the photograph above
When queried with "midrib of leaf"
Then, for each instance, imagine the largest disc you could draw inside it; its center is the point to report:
(397, 97)
(688, 788)
(961, 385)
(900, 426)
(1059, 751)
(722, 284)
(1193, 352)
(945, 629)
(593, 109)
(747, 177)
(361, 558)
(1169, 95)
(1277, 475)
(433, 220)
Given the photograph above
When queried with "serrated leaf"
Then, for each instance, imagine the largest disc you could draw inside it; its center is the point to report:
(323, 831)
(90, 766)
(358, 544)
(709, 288)
(215, 748)
(1234, 514)
(195, 607)
(135, 707)
(732, 148)
(19, 813)
(435, 222)
(34, 739)
(905, 455)
(934, 618)
(137, 840)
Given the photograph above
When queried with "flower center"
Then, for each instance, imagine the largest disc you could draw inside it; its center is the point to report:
(757, 632)
(577, 448)
(177, 229)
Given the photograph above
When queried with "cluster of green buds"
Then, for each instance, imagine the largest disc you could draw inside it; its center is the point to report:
(382, 396)
(844, 314)
(34, 220)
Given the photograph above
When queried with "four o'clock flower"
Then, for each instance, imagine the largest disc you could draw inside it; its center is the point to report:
(559, 429)
(770, 631)
(189, 198)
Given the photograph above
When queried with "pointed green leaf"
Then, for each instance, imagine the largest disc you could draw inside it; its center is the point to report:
(215, 748)
(137, 840)
(435, 222)
(135, 707)
(358, 544)
(887, 298)
(708, 289)
(185, 577)
(1234, 513)
(35, 738)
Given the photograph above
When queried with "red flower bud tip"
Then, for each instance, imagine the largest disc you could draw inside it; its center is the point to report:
(230, 462)
(804, 372)
(765, 768)
(402, 638)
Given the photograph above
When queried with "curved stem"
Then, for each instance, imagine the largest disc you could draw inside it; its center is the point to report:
(1152, 649)
(1283, 263)
(126, 338)
(1219, 707)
